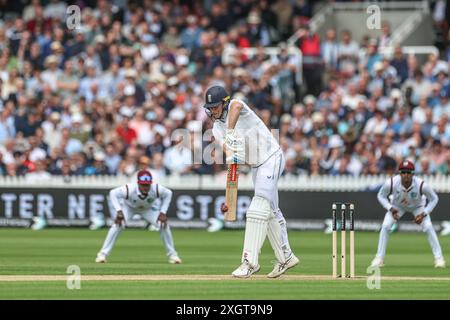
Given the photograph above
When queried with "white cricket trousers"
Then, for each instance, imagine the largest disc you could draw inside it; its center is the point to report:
(426, 225)
(150, 216)
(265, 179)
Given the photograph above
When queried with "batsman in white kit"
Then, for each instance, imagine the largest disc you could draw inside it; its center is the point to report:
(149, 200)
(409, 194)
(246, 139)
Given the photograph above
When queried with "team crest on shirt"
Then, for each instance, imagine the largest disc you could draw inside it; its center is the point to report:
(413, 195)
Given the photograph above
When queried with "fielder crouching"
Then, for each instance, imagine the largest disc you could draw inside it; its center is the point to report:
(409, 194)
(149, 200)
(239, 129)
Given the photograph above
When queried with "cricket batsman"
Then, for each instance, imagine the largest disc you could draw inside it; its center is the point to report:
(409, 194)
(149, 200)
(247, 140)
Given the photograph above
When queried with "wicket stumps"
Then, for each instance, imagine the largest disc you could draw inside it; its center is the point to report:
(344, 207)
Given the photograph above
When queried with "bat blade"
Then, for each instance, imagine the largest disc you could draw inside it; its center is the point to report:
(231, 192)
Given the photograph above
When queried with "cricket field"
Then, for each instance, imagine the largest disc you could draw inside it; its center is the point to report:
(39, 265)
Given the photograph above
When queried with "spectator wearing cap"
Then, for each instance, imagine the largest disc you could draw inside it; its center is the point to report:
(52, 72)
(258, 34)
(57, 50)
(79, 129)
(190, 36)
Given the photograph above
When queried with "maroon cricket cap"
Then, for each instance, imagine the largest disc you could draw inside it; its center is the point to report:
(144, 177)
(406, 166)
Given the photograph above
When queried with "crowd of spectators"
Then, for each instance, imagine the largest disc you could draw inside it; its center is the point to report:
(107, 96)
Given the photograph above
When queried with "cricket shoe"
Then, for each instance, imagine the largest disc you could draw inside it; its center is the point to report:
(245, 270)
(377, 263)
(281, 268)
(439, 263)
(101, 258)
(175, 260)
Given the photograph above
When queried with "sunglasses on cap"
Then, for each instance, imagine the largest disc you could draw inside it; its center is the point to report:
(145, 179)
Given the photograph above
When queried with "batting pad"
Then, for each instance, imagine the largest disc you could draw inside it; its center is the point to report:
(256, 229)
(274, 235)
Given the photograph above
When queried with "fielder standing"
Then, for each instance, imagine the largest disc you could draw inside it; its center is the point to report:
(246, 139)
(147, 199)
(409, 194)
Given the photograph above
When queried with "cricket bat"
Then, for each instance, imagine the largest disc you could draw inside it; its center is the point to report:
(231, 192)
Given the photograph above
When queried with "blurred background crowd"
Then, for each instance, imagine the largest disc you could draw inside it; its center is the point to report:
(105, 97)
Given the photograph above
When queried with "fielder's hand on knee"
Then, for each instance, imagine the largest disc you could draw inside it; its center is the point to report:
(223, 208)
(394, 213)
(419, 218)
(163, 219)
(119, 218)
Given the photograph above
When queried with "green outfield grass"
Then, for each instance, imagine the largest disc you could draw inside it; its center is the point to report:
(139, 252)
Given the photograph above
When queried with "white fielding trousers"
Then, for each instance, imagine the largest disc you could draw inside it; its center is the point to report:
(150, 216)
(426, 225)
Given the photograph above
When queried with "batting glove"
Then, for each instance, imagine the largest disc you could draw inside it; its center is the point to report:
(233, 142)
(236, 157)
